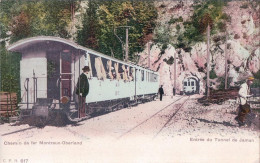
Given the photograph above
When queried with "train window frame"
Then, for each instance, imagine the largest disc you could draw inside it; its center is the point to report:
(104, 61)
(131, 73)
(113, 70)
(125, 73)
(120, 70)
(93, 70)
(110, 70)
(142, 75)
(101, 72)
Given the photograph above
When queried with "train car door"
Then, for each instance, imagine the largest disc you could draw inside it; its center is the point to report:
(53, 75)
(65, 74)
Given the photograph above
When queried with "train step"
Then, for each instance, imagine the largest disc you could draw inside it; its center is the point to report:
(13, 119)
(79, 119)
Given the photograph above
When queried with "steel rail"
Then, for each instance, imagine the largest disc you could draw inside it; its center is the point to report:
(147, 119)
(171, 118)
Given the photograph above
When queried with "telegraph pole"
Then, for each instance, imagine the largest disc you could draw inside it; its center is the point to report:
(174, 91)
(208, 59)
(126, 44)
(149, 54)
(126, 40)
(226, 66)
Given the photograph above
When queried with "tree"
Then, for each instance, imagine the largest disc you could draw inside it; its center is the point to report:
(88, 35)
(110, 15)
(34, 18)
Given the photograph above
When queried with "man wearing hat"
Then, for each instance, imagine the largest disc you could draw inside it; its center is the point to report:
(82, 90)
(244, 107)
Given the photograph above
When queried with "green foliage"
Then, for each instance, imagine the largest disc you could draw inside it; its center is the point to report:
(244, 6)
(162, 37)
(212, 73)
(226, 17)
(221, 86)
(10, 70)
(110, 15)
(33, 18)
(175, 20)
(221, 26)
(256, 83)
(257, 75)
(169, 61)
(88, 35)
(206, 13)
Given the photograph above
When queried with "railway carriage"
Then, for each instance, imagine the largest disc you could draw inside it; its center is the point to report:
(191, 85)
(49, 70)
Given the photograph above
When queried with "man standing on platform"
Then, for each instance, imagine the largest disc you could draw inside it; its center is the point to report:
(82, 91)
(161, 92)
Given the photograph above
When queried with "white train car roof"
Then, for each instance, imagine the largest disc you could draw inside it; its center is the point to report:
(24, 43)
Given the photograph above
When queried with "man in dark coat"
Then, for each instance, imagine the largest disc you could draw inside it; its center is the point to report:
(161, 92)
(82, 91)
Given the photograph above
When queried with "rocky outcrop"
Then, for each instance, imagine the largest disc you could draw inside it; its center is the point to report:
(242, 48)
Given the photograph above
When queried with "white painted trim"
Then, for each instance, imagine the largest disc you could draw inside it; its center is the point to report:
(76, 46)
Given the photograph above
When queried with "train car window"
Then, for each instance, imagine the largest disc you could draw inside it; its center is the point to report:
(132, 73)
(192, 83)
(137, 72)
(101, 73)
(105, 61)
(110, 68)
(113, 70)
(88, 63)
(116, 66)
(152, 77)
(188, 83)
(92, 61)
(127, 73)
(185, 83)
(142, 75)
(107, 67)
(124, 73)
(120, 70)
(155, 78)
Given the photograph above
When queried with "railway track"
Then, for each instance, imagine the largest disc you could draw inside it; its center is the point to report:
(146, 120)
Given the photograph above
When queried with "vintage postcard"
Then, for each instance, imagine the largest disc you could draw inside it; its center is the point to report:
(129, 81)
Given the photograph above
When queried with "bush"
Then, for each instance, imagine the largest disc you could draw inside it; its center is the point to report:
(222, 82)
(257, 75)
(222, 26)
(170, 61)
(212, 74)
(226, 17)
(175, 20)
(244, 6)
(218, 38)
(236, 36)
(256, 83)
(178, 27)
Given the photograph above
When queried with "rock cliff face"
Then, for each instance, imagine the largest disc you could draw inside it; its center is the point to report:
(242, 48)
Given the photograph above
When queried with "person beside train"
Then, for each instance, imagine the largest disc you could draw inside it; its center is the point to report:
(82, 91)
(244, 107)
(161, 92)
